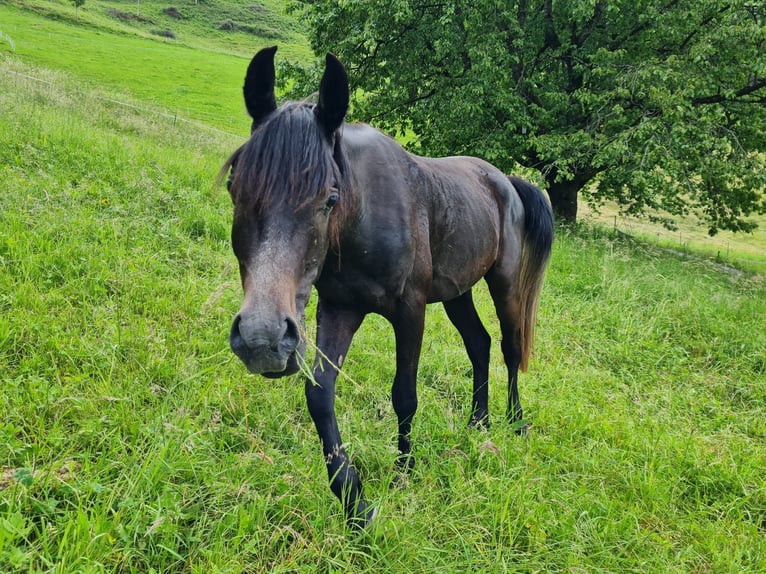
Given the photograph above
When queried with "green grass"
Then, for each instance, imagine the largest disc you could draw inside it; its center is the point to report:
(131, 439)
(225, 26)
(200, 80)
(743, 250)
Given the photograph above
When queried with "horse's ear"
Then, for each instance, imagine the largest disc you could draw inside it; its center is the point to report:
(333, 95)
(259, 86)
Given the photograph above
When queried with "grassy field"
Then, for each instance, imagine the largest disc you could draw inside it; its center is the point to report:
(131, 439)
(742, 250)
(200, 79)
(224, 26)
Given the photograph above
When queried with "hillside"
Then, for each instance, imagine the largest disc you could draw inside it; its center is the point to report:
(131, 440)
(196, 76)
(226, 26)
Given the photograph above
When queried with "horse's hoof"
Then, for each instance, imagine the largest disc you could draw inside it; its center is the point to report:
(399, 482)
(371, 516)
(479, 422)
(521, 428)
(363, 520)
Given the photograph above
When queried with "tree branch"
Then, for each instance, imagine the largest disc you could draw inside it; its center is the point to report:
(755, 85)
(617, 43)
(550, 38)
(705, 22)
(406, 104)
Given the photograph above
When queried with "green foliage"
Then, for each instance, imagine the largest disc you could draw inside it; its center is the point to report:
(657, 105)
(131, 440)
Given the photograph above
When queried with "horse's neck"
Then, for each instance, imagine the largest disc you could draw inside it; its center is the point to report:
(374, 156)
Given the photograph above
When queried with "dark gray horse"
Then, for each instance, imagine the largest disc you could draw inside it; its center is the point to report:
(376, 230)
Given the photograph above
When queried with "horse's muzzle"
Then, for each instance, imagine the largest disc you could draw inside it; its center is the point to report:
(270, 348)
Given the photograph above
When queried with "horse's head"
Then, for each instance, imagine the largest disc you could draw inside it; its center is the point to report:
(289, 186)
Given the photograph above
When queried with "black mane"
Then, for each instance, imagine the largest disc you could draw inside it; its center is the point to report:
(286, 161)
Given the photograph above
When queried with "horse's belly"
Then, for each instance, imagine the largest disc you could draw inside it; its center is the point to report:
(456, 273)
(464, 244)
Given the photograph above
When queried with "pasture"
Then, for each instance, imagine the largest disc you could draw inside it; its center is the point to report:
(132, 440)
(194, 79)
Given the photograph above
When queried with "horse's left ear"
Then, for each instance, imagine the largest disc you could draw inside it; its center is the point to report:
(333, 95)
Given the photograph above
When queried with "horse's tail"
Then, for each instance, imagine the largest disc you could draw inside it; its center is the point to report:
(536, 250)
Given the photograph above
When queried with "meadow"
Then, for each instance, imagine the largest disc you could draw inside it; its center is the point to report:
(132, 440)
(197, 76)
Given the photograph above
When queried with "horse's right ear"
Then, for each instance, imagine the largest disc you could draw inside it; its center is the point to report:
(259, 86)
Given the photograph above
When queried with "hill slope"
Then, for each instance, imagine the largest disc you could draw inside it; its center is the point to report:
(198, 76)
(132, 441)
(227, 26)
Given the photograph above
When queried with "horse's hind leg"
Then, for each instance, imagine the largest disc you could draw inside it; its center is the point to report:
(462, 312)
(508, 308)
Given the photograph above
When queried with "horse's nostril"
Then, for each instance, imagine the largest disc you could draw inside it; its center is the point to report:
(273, 337)
(291, 337)
(235, 337)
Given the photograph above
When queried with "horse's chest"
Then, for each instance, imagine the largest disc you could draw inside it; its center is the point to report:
(370, 275)
(354, 288)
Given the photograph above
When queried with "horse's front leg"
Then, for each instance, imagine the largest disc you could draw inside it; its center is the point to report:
(408, 329)
(335, 329)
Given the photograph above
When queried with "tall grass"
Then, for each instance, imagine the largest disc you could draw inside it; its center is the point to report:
(741, 250)
(131, 440)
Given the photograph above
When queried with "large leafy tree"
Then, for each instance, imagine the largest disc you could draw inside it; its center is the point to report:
(660, 105)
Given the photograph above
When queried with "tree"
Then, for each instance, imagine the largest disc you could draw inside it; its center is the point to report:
(660, 105)
(77, 4)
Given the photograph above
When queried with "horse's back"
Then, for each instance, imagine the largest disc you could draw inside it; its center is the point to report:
(447, 220)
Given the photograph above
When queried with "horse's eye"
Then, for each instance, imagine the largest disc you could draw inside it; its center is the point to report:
(332, 200)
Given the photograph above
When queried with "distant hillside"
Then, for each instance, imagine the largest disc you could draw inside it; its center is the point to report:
(230, 26)
(124, 50)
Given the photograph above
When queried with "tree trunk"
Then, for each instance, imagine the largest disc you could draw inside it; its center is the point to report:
(563, 196)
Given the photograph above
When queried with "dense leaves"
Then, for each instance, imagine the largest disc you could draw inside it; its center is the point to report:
(660, 105)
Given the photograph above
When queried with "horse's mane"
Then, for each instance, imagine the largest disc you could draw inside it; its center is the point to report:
(285, 161)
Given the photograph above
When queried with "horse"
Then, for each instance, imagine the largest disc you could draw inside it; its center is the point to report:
(374, 229)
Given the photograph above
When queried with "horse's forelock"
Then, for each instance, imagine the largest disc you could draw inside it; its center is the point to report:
(282, 162)
(285, 161)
